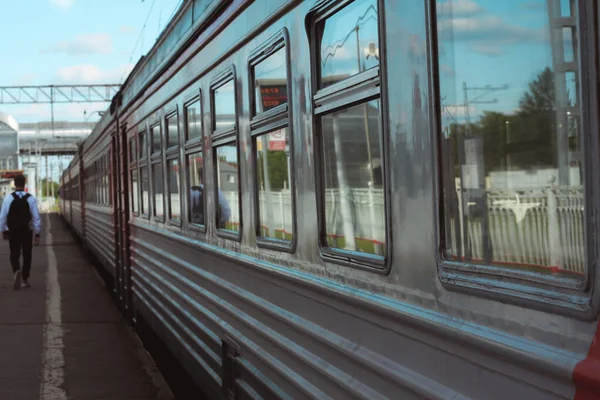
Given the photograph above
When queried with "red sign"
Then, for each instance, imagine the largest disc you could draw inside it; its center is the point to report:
(273, 96)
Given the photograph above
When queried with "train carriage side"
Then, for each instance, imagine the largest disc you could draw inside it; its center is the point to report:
(76, 194)
(319, 209)
(97, 159)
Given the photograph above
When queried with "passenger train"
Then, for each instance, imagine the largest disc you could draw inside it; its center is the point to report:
(358, 199)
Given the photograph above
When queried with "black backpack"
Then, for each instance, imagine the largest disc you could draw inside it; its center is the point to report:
(19, 215)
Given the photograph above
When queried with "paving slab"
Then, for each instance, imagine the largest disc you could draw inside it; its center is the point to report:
(64, 338)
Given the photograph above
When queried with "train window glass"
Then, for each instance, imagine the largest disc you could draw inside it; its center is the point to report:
(274, 196)
(224, 106)
(349, 42)
(157, 179)
(132, 150)
(174, 191)
(156, 144)
(195, 164)
(353, 179)
(143, 145)
(172, 131)
(134, 191)
(228, 207)
(193, 120)
(145, 190)
(512, 169)
(270, 82)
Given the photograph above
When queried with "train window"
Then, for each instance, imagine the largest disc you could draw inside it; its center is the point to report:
(174, 190)
(145, 190)
(157, 179)
(134, 191)
(156, 143)
(193, 120)
(349, 42)
(132, 150)
(197, 209)
(272, 144)
(270, 82)
(143, 145)
(353, 203)
(172, 131)
(224, 106)
(274, 196)
(227, 198)
(510, 136)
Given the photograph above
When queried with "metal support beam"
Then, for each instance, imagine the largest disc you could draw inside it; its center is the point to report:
(58, 94)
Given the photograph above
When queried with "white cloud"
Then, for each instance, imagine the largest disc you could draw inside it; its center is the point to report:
(127, 30)
(92, 74)
(62, 112)
(25, 79)
(456, 8)
(96, 43)
(63, 4)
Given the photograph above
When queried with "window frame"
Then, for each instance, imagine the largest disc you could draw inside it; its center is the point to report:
(144, 162)
(171, 150)
(263, 123)
(192, 146)
(221, 137)
(171, 153)
(529, 289)
(133, 166)
(355, 90)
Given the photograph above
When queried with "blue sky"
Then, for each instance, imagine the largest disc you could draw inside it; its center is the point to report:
(496, 43)
(74, 42)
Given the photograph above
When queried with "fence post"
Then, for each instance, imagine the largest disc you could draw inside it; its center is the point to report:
(554, 232)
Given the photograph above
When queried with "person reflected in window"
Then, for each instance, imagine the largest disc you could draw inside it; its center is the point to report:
(197, 207)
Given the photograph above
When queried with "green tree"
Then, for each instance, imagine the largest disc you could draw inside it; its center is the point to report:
(47, 188)
(277, 168)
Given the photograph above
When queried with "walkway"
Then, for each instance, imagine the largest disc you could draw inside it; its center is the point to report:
(63, 338)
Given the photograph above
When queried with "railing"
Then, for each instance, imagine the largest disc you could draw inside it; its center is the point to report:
(536, 229)
(540, 229)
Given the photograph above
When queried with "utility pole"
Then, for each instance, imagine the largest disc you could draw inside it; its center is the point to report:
(472, 163)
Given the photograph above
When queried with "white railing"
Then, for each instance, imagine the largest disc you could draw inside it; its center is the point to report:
(527, 228)
(535, 228)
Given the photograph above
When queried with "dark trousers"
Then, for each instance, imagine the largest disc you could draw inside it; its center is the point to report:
(21, 242)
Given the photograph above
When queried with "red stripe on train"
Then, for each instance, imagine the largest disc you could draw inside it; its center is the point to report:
(586, 375)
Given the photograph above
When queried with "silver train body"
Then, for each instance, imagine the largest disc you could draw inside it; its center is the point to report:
(254, 318)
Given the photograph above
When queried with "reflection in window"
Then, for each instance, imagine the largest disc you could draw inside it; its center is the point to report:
(274, 195)
(132, 151)
(159, 205)
(270, 82)
(349, 42)
(511, 149)
(193, 120)
(172, 131)
(224, 106)
(353, 179)
(134, 191)
(145, 189)
(228, 210)
(197, 196)
(156, 146)
(143, 145)
(174, 193)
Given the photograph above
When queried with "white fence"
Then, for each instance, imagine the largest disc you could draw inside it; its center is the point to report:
(541, 228)
(537, 228)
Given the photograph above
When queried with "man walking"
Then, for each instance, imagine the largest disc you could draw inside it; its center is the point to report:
(18, 217)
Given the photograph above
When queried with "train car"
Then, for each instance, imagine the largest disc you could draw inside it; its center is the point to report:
(360, 198)
(98, 195)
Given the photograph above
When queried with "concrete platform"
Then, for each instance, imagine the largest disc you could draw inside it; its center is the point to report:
(63, 338)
